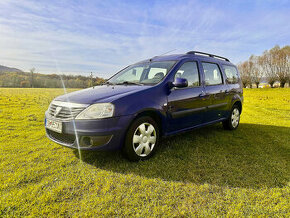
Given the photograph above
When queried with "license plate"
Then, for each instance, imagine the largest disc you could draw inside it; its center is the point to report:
(54, 125)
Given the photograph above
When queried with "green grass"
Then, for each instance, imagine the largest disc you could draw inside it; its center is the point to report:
(206, 172)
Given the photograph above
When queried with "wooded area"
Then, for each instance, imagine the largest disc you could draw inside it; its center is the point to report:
(37, 80)
(273, 65)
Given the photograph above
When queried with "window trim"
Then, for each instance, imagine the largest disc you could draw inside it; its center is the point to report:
(199, 77)
(221, 72)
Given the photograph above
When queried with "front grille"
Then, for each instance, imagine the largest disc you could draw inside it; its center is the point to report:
(66, 111)
(61, 137)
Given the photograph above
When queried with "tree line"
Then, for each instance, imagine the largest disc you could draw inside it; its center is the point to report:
(38, 80)
(273, 65)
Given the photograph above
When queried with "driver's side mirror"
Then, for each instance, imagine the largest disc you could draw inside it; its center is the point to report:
(180, 83)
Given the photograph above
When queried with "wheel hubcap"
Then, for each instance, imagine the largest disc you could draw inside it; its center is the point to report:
(235, 117)
(144, 139)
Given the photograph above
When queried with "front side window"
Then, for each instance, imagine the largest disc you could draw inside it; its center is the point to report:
(231, 73)
(149, 73)
(189, 71)
(212, 74)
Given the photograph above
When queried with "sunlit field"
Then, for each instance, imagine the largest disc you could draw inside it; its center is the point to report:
(205, 172)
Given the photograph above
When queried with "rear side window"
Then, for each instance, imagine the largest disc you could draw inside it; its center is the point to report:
(189, 71)
(231, 73)
(212, 74)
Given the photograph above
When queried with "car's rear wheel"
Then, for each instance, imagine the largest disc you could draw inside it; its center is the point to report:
(141, 139)
(234, 120)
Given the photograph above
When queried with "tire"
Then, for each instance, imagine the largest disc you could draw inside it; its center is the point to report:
(142, 139)
(233, 121)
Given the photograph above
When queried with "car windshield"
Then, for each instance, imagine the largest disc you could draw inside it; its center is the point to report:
(149, 73)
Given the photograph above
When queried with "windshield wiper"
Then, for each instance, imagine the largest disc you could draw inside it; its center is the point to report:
(108, 83)
(129, 83)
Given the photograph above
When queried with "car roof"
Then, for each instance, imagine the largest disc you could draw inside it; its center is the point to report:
(178, 57)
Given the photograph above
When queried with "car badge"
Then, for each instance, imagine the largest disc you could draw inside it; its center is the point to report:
(57, 111)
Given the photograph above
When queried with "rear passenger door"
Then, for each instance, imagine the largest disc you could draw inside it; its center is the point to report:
(217, 90)
(185, 106)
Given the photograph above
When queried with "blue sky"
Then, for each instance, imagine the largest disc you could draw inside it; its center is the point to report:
(58, 36)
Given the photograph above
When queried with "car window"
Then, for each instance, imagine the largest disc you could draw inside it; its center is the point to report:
(212, 74)
(143, 73)
(189, 71)
(132, 75)
(155, 72)
(231, 73)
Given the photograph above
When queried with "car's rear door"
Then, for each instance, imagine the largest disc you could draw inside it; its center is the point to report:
(186, 106)
(216, 88)
(233, 83)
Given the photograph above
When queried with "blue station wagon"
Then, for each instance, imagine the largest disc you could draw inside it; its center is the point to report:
(146, 101)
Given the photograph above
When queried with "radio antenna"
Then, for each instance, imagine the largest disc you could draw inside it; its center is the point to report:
(167, 52)
(162, 54)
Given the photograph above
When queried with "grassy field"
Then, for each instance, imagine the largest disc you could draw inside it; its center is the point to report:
(206, 172)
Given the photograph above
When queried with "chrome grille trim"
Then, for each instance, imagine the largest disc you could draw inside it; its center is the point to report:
(68, 110)
(69, 104)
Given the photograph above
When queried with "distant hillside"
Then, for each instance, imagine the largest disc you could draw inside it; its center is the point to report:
(4, 69)
(38, 80)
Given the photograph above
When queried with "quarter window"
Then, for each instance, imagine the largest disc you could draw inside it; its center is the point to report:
(189, 71)
(212, 74)
(231, 73)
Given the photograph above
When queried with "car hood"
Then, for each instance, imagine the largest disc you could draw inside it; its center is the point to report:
(104, 93)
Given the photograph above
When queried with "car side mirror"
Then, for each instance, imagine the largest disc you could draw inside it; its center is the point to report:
(180, 83)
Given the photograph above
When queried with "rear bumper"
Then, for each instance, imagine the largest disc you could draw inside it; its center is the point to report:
(103, 134)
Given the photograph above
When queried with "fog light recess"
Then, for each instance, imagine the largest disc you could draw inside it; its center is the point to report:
(89, 141)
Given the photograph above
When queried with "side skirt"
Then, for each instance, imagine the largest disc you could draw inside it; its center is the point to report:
(193, 127)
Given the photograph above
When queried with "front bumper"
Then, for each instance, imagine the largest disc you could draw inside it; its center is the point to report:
(102, 134)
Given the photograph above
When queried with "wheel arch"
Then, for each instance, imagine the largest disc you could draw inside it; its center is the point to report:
(155, 115)
(238, 100)
(239, 104)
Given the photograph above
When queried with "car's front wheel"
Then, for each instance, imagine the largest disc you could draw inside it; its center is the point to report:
(141, 139)
(234, 120)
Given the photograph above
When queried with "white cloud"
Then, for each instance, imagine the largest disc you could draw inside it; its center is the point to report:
(107, 35)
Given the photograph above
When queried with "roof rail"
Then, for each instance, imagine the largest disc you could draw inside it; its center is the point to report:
(210, 55)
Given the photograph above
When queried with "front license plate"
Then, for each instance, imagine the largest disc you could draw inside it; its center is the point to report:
(54, 125)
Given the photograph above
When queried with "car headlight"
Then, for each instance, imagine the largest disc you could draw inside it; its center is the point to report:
(97, 111)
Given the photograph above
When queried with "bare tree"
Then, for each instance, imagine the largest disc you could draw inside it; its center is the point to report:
(288, 64)
(245, 73)
(281, 60)
(266, 63)
(255, 70)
